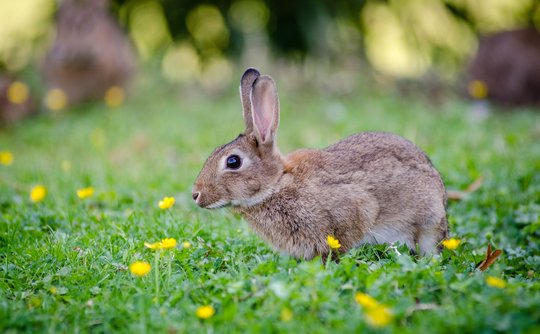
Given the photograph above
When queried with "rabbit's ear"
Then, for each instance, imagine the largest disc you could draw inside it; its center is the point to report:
(250, 75)
(265, 107)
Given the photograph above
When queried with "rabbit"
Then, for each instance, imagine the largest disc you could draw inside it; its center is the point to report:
(90, 53)
(508, 64)
(371, 187)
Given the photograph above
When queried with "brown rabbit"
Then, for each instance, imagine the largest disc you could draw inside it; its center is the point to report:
(90, 53)
(508, 64)
(368, 188)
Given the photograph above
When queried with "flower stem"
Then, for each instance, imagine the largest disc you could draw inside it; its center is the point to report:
(156, 275)
(328, 259)
(169, 269)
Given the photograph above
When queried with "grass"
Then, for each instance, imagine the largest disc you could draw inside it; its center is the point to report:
(64, 261)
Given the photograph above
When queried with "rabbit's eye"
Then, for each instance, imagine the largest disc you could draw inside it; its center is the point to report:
(234, 162)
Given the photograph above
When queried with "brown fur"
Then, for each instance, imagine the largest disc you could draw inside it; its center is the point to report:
(508, 63)
(368, 188)
(90, 53)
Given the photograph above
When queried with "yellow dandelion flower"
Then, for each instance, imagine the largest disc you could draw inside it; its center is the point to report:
(140, 268)
(56, 99)
(17, 92)
(365, 300)
(378, 316)
(84, 193)
(186, 245)
(166, 203)
(6, 158)
(495, 282)
(38, 193)
(155, 245)
(205, 312)
(333, 242)
(114, 96)
(478, 89)
(451, 244)
(168, 243)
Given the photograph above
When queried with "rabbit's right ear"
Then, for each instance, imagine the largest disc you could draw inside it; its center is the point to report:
(265, 108)
(250, 75)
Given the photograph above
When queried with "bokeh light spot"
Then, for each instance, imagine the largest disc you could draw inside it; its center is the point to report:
(148, 27)
(180, 63)
(207, 27)
(114, 97)
(387, 47)
(56, 99)
(249, 15)
(216, 74)
(478, 89)
(17, 92)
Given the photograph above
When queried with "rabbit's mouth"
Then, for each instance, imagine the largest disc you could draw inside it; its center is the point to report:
(205, 205)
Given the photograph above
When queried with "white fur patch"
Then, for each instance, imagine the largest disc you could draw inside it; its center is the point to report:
(381, 234)
(217, 204)
(247, 202)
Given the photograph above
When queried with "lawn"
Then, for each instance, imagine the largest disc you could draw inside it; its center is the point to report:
(64, 261)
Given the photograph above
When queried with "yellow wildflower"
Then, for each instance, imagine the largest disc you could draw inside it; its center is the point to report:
(478, 89)
(38, 193)
(53, 290)
(56, 99)
(166, 243)
(186, 244)
(365, 300)
(166, 203)
(333, 242)
(6, 158)
(451, 244)
(84, 193)
(114, 96)
(205, 312)
(140, 268)
(495, 282)
(155, 245)
(17, 92)
(378, 316)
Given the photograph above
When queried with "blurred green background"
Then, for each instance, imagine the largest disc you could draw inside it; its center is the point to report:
(202, 41)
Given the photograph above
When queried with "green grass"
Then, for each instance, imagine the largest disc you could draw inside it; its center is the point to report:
(63, 262)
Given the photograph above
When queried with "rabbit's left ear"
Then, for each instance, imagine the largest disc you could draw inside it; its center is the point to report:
(250, 75)
(265, 109)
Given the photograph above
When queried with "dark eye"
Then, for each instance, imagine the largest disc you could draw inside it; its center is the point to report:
(234, 162)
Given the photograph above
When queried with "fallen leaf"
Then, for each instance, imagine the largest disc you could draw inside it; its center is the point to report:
(490, 258)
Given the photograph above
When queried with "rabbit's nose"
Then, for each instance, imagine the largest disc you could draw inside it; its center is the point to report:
(195, 195)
